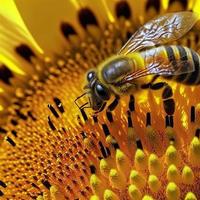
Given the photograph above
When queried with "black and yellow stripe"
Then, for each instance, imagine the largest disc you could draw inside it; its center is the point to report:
(182, 51)
(170, 56)
(195, 76)
(177, 54)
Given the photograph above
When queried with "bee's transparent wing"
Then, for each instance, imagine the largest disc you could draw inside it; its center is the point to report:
(173, 68)
(161, 30)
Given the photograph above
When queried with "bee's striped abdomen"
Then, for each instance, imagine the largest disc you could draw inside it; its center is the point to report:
(194, 77)
(170, 56)
(183, 56)
(178, 54)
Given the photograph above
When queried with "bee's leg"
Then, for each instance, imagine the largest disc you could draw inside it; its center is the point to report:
(83, 113)
(147, 85)
(167, 94)
(114, 104)
(157, 86)
(168, 101)
(154, 79)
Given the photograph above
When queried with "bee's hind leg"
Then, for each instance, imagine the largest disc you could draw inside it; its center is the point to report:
(148, 85)
(168, 100)
(167, 95)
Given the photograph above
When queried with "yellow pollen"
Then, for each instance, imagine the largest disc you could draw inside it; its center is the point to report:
(117, 179)
(172, 191)
(110, 195)
(123, 163)
(190, 196)
(134, 192)
(137, 179)
(154, 165)
(94, 197)
(146, 197)
(104, 167)
(140, 160)
(194, 151)
(96, 185)
(172, 156)
(154, 183)
(187, 175)
(173, 174)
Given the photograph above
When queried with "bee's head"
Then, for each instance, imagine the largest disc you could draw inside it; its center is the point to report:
(98, 93)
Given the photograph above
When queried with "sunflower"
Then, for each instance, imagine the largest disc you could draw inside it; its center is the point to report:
(52, 150)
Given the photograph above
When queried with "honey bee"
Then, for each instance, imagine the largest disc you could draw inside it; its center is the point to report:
(142, 56)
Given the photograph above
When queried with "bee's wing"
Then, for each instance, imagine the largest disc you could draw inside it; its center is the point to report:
(163, 29)
(174, 68)
(165, 69)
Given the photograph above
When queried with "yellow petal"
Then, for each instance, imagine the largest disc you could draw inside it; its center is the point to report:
(44, 19)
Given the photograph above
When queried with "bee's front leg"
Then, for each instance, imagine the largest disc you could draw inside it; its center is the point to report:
(114, 104)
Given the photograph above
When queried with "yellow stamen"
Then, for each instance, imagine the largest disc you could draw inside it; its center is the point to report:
(187, 175)
(172, 191)
(134, 192)
(154, 183)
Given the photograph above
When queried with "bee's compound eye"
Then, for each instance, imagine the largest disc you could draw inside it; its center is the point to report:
(90, 75)
(102, 92)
